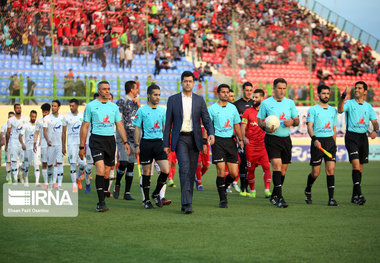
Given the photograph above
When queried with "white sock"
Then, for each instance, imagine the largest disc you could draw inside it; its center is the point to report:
(88, 173)
(60, 173)
(37, 174)
(81, 169)
(112, 177)
(163, 191)
(73, 174)
(9, 171)
(26, 174)
(45, 176)
(55, 174)
(50, 172)
(14, 167)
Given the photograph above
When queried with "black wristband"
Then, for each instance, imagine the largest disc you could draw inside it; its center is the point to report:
(81, 147)
(124, 142)
(204, 141)
(137, 145)
(343, 96)
(313, 138)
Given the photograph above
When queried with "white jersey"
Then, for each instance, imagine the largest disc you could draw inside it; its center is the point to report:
(28, 135)
(16, 127)
(73, 124)
(54, 125)
(4, 130)
(40, 128)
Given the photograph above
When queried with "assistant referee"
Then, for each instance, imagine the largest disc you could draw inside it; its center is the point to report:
(103, 115)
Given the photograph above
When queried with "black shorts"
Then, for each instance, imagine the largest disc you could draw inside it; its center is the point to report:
(317, 155)
(103, 148)
(357, 146)
(279, 147)
(152, 149)
(224, 150)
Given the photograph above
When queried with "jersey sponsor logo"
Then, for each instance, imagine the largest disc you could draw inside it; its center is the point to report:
(308, 114)
(76, 127)
(106, 119)
(57, 127)
(156, 126)
(227, 124)
(253, 123)
(137, 116)
(282, 117)
(327, 126)
(361, 121)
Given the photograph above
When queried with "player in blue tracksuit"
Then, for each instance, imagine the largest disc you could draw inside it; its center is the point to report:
(321, 126)
(358, 116)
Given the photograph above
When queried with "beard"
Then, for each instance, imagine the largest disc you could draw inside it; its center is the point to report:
(325, 100)
(256, 104)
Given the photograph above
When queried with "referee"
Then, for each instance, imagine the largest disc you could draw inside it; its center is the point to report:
(321, 126)
(149, 126)
(358, 115)
(103, 115)
(278, 142)
(226, 119)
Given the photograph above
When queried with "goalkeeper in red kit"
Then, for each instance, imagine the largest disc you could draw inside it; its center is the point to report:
(253, 137)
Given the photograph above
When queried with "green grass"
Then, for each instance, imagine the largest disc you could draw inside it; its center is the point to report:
(250, 230)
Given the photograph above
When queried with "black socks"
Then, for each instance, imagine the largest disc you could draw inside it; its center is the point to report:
(310, 181)
(276, 177)
(161, 181)
(220, 185)
(356, 180)
(330, 185)
(99, 183)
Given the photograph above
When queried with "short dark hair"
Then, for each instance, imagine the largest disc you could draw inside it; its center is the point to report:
(247, 83)
(365, 86)
(11, 113)
(151, 88)
(221, 86)
(102, 82)
(279, 80)
(260, 91)
(187, 74)
(129, 85)
(33, 111)
(74, 101)
(96, 95)
(16, 104)
(322, 87)
(111, 95)
(45, 107)
(56, 101)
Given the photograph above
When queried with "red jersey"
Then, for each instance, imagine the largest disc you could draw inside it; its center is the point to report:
(253, 132)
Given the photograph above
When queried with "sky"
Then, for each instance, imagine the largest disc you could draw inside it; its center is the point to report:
(362, 13)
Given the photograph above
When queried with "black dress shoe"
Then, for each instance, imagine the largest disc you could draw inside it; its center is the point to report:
(187, 209)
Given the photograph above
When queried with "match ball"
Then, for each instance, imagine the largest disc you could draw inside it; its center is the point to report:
(272, 123)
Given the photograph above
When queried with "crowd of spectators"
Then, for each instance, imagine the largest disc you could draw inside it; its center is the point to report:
(264, 31)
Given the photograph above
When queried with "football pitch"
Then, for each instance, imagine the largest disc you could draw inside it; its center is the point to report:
(250, 230)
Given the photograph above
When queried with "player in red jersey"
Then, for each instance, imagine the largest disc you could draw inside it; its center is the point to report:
(172, 158)
(203, 161)
(253, 137)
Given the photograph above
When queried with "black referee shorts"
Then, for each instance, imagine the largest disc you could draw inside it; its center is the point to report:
(152, 149)
(224, 150)
(317, 155)
(103, 148)
(357, 146)
(279, 147)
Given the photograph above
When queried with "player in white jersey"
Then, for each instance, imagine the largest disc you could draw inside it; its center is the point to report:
(89, 160)
(40, 144)
(3, 134)
(71, 126)
(12, 143)
(26, 138)
(53, 134)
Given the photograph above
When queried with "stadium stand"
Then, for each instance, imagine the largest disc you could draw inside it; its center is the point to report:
(267, 38)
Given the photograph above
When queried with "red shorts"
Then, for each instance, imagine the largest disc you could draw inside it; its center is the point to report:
(204, 158)
(256, 156)
(172, 157)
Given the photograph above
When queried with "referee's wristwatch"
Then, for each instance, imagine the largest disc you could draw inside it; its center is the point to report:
(137, 145)
(81, 147)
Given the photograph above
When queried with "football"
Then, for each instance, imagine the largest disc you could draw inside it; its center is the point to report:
(272, 123)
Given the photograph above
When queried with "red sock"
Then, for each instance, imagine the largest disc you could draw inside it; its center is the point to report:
(237, 178)
(251, 179)
(171, 172)
(267, 177)
(204, 170)
(198, 173)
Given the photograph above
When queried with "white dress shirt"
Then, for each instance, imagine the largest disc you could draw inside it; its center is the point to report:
(187, 124)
